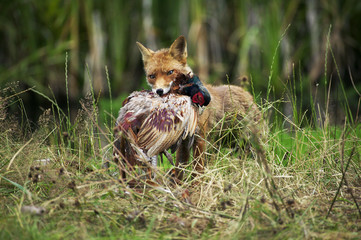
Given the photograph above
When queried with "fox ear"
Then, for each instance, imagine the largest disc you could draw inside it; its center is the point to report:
(146, 52)
(178, 49)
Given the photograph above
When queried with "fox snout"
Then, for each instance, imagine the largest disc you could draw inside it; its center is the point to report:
(159, 91)
(161, 85)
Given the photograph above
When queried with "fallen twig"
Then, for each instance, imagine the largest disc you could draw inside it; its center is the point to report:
(342, 179)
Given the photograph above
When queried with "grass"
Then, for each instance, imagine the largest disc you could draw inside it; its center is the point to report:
(297, 178)
(313, 185)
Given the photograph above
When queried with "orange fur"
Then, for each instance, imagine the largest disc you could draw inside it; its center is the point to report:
(161, 68)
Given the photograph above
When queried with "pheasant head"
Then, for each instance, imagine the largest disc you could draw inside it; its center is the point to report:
(193, 87)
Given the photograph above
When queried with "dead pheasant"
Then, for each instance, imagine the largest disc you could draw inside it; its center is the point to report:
(149, 124)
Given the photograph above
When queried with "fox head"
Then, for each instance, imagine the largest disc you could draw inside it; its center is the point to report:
(163, 66)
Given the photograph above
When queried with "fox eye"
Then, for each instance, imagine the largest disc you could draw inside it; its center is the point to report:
(151, 76)
(170, 72)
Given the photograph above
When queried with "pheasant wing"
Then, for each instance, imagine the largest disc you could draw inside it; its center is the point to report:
(171, 119)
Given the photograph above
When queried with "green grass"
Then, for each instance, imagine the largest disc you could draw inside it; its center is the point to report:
(237, 38)
(297, 178)
(84, 201)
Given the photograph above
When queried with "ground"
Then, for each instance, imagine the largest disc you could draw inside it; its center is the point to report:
(53, 185)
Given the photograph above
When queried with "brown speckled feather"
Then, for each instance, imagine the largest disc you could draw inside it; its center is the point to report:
(158, 122)
(172, 118)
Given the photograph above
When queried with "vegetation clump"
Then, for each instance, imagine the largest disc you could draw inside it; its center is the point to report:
(293, 183)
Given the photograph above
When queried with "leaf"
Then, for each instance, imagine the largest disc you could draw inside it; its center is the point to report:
(23, 189)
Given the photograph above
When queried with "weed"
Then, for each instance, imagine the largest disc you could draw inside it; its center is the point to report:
(301, 181)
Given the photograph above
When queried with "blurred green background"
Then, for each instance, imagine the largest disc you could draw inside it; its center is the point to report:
(43, 43)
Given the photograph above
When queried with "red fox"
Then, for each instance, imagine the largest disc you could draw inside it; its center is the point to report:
(162, 67)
